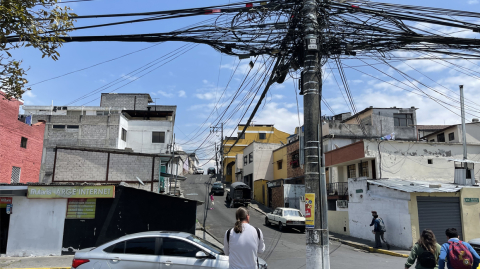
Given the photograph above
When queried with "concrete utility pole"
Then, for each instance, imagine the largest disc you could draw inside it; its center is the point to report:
(221, 158)
(317, 255)
(215, 129)
(464, 130)
(216, 157)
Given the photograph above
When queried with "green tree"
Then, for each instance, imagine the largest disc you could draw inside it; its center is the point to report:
(37, 23)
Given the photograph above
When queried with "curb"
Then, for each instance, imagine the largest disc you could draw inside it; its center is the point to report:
(369, 249)
(206, 231)
(257, 209)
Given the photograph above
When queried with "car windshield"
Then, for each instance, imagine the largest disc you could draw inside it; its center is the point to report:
(206, 244)
(293, 213)
(217, 184)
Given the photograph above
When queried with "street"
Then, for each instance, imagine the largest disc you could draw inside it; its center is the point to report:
(282, 249)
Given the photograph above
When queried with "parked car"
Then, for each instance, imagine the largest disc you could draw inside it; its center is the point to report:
(475, 244)
(286, 218)
(154, 249)
(217, 187)
(240, 193)
(211, 171)
(199, 171)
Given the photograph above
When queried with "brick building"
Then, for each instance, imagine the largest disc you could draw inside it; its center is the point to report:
(20, 145)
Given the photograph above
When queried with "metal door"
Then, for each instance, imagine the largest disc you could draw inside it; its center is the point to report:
(438, 214)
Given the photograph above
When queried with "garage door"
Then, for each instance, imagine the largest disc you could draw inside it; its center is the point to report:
(438, 214)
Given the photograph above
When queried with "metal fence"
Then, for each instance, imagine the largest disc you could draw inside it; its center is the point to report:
(337, 188)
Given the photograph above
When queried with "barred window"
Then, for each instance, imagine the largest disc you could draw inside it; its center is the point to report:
(158, 137)
(352, 171)
(15, 175)
(364, 171)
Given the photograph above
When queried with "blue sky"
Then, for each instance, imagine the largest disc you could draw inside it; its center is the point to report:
(195, 80)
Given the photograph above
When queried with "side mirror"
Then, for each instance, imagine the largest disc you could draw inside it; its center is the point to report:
(201, 255)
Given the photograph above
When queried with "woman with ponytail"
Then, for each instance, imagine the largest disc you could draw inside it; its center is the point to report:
(425, 252)
(243, 242)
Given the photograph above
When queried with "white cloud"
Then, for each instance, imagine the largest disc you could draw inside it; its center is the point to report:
(165, 94)
(182, 94)
(279, 115)
(127, 77)
(29, 94)
(472, 2)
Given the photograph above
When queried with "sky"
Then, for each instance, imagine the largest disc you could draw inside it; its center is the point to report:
(196, 79)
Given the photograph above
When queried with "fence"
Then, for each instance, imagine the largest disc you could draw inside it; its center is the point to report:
(337, 188)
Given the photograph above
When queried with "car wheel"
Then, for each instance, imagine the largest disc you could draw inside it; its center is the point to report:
(280, 226)
(267, 223)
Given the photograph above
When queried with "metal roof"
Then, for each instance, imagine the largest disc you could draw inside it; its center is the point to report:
(462, 161)
(416, 186)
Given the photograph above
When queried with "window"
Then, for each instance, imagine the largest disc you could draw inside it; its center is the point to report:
(279, 165)
(124, 135)
(432, 140)
(15, 175)
(352, 171)
(245, 160)
(144, 246)
(242, 136)
(158, 137)
(58, 126)
(72, 126)
(179, 248)
(293, 213)
(430, 161)
(451, 136)
(23, 143)
(117, 248)
(262, 136)
(403, 119)
(102, 113)
(364, 171)
(441, 137)
(250, 157)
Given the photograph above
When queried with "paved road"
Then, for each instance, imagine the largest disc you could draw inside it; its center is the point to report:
(283, 250)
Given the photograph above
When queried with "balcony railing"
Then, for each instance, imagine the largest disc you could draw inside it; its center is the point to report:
(337, 188)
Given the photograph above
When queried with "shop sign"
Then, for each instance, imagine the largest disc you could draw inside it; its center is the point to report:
(359, 190)
(310, 210)
(471, 200)
(4, 201)
(71, 192)
(81, 208)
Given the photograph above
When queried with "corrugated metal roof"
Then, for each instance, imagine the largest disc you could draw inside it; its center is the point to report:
(416, 186)
(462, 161)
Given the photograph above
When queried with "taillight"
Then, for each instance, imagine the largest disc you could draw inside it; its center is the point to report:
(77, 262)
(289, 221)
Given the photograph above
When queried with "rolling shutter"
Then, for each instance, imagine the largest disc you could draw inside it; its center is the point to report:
(438, 214)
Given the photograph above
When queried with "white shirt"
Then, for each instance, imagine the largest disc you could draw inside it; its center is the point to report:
(243, 247)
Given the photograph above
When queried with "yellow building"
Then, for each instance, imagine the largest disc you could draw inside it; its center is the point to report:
(262, 133)
(280, 163)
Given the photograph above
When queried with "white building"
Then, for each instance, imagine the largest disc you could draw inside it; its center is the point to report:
(453, 133)
(258, 162)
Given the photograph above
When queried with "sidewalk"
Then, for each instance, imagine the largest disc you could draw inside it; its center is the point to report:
(208, 236)
(345, 239)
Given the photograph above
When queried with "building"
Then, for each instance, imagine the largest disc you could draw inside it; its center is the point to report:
(262, 133)
(20, 144)
(51, 220)
(122, 121)
(454, 134)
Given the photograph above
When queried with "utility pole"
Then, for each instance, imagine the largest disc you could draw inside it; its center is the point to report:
(464, 131)
(315, 184)
(221, 158)
(216, 157)
(215, 129)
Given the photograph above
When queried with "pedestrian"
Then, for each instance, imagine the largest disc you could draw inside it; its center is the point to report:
(243, 243)
(426, 252)
(379, 231)
(373, 218)
(458, 254)
(212, 200)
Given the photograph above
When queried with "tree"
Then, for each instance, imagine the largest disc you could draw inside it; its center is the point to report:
(37, 23)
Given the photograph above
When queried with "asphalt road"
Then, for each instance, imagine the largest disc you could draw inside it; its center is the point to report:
(283, 249)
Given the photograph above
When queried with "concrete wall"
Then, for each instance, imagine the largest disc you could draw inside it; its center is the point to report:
(470, 213)
(277, 197)
(26, 239)
(123, 124)
(338, 222)
(292, 171)
(409, 160)
(263, 161)
(139, 135)
(260, 193)
(392, 206)
(249, 168)
(127, 101)
(280, 155)
(292, 194)
(473, 134)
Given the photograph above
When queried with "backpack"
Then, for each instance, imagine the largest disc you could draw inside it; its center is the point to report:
(427, 259)
(258, 234)
(381, 225)
(459, 256)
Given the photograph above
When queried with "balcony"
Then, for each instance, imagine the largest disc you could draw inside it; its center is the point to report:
(337, 189)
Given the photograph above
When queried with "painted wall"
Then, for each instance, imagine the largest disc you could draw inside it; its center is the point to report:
(260, 192)
(470, 213)
(392, 206)
(280, 155)
(263, 161)
(292, 194)
(42, 239)
(338, 222)
(123, 124)
(139, 136)
(473, 134)
(409, 160)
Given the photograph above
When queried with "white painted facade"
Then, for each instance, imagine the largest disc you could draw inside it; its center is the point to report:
(139, 135)
(292, 194)
(36, 234)
(391, 206)
(262, 165)
(472, 134)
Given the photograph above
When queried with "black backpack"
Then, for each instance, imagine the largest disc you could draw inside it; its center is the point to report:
(427, 259)
(258, 234)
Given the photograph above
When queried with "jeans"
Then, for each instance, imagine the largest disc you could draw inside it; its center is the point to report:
(378, 236)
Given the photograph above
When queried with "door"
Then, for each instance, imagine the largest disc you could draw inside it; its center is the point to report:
(374, 170)
(438, 214)
(269, 197)
(278, 216)
(4, 224)
(139, 253)
(176, 253)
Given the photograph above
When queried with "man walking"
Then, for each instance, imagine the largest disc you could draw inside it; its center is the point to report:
(243, 243)
(379, 231)
(459, 254)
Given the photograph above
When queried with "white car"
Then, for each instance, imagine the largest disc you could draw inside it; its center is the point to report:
(199, 171)
(286, 218)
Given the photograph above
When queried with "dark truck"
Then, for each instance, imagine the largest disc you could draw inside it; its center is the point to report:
(240, 193)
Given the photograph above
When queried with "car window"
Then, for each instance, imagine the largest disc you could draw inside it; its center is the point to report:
(144, 246)
(116, 248)
(179, 248)
(275, 212)
(206, 244)
(279, 212)
(293, 213)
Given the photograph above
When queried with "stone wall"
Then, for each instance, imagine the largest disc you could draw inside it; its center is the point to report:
(292, 169)
(127, 101)
(277, 197)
